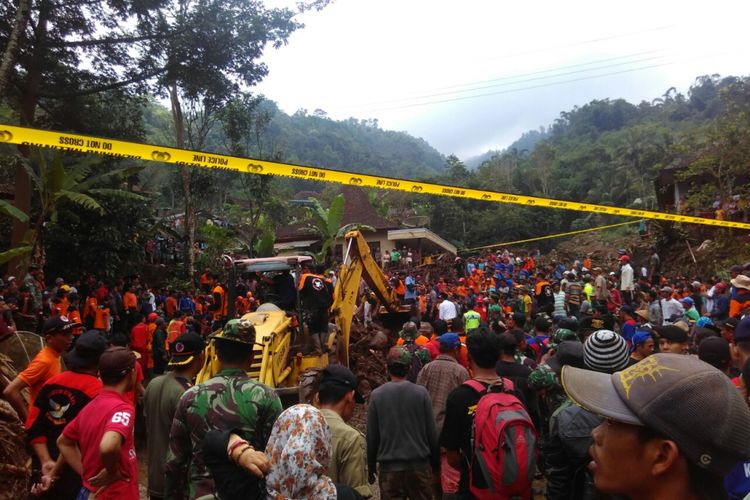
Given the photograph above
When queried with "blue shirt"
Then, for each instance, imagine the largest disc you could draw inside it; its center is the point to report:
(737, 482)
(411, 288)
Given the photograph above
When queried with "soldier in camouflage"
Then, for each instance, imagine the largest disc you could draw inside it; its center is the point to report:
(229, 401)
(545, 378)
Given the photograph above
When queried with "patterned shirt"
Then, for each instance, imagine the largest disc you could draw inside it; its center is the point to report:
(440, 377)
(230, 400)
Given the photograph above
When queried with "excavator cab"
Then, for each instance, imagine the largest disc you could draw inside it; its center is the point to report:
(279, 335)
(279, 361)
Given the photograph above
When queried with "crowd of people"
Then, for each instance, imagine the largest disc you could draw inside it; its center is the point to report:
(510, 369)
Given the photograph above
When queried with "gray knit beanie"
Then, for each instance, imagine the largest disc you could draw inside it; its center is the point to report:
(605, 351)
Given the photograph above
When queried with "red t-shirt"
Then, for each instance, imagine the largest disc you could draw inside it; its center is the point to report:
(139, 338)
(109, 411)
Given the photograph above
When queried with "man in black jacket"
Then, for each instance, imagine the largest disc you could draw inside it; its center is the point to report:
(566, 454)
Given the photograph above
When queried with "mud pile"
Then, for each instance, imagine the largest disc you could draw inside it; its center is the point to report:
(367, 349)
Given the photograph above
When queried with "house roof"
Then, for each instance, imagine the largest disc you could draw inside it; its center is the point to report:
(357, 210)
(422, 233)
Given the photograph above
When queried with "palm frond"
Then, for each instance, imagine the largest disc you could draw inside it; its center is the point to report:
(352, 227)
(81, 199)
(13, 253)
(10, 210)
(117, 193)
(119, 173)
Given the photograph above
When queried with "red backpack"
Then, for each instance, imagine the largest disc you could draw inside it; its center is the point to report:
(504, 442)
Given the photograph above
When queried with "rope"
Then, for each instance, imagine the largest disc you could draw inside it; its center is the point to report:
(560, 235)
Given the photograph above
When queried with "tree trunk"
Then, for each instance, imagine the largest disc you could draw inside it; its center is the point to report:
(179, 128)
(29, 100)
(38, 254)
(23, 12)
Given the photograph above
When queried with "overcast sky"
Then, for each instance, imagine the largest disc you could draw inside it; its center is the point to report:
(471, 75)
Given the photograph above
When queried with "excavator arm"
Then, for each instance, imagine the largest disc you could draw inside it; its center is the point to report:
(358, 264)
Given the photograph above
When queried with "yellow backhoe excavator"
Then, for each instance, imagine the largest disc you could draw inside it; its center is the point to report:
(279, 361)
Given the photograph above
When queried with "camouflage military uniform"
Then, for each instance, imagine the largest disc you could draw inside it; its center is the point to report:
(543, 378)
(31, 283)
(230, 400)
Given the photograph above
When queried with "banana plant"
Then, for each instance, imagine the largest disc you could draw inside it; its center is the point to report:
(326, 222)
(11, 211)
(56, 182)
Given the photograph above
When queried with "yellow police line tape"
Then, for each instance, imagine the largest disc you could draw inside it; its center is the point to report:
(559, 235)
(148, 152)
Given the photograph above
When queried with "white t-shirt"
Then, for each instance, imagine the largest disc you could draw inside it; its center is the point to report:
(626, 277)
(672, 310)
(447, 310)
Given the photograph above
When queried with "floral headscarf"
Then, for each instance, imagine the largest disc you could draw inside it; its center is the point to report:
(299, 449)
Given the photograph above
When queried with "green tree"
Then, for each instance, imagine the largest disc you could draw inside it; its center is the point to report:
(217, 50)
(23, 249)
(75, 182)
(219, 240)
(720, 152)
(44, 73)
(244, 123)
(110, 245)
(326, 222)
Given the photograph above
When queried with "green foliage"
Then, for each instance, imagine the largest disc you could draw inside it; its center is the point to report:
(326, 222)
(263, 247)
(219, 240)
(13, 253)
(716, 157)
(75, 182)
(353, 145)
(82, 240)
(11, 211)
(608, 152)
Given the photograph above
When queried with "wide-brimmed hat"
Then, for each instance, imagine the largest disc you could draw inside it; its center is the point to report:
(741, 281)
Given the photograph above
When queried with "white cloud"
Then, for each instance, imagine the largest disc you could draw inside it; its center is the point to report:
(395, 60)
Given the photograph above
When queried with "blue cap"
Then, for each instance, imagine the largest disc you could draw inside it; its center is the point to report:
(704, 321)
(449, 340)
(687, 300)
(639, 338)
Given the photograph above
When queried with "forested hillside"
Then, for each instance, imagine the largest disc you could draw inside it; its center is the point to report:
(315, 139)
(360, 145)
(523, 144)
(606, 151)
(610, 152)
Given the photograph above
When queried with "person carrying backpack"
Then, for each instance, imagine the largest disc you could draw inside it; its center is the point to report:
(488, 434)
